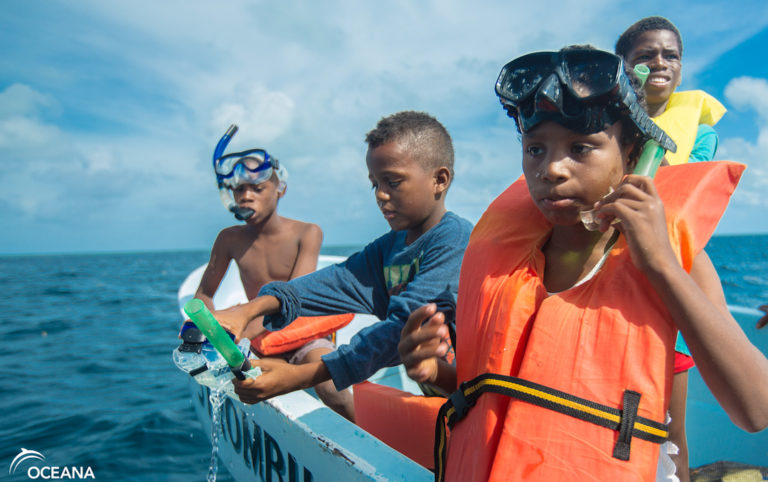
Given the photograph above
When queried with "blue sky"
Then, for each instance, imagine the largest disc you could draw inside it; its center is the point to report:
(109, 111)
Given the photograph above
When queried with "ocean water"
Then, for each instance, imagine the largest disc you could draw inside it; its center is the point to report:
(86, 358)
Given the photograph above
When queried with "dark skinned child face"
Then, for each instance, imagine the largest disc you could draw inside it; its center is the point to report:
(262, 198)
(658, 50)
(567, 172)
(407, 193)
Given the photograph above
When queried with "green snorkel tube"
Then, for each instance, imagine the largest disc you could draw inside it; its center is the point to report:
(202, 317)
(650, 157)
(652, 153)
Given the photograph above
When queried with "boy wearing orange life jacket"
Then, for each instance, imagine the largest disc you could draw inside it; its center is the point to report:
(268, 247)
(565, 336)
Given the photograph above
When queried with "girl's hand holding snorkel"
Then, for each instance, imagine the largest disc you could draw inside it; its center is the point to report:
(640, 211)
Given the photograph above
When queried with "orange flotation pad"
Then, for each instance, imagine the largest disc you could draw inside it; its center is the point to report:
(301, 331)
(404, 421)
(597, 341)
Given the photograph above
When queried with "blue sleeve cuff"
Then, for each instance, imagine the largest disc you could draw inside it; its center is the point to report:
(337, 367)
(705, 145)
(290, 304)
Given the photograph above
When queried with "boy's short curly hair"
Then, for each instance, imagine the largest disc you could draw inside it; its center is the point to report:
(627, 40)
(425, 138)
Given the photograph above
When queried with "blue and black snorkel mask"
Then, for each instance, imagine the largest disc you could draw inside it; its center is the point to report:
(582, 89)
(253, 166)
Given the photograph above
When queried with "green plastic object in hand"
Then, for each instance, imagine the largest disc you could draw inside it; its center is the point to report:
(650, 159)
(642, 72)
(652, 153)
(202, 317)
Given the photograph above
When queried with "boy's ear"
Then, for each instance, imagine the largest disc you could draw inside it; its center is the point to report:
(442, 176)
(281, 188)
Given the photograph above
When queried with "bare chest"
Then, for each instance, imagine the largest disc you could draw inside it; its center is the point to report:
(261, 263)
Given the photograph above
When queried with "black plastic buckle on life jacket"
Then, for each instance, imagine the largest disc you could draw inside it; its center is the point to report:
(625, 421)
(630, 405)
(460, 404)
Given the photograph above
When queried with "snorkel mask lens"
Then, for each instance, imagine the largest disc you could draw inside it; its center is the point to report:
(582, 89)
(522, 76)
(591, 73)
(247, 172)
(253, 166)
(585, 73)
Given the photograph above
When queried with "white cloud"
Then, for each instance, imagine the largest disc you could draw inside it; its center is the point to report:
(262, 114)
(17, 131)
(129, 106)
(100, 159)
(750, 94)
(22, 100)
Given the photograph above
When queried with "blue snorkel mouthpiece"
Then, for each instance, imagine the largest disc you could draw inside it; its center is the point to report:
(240, 213)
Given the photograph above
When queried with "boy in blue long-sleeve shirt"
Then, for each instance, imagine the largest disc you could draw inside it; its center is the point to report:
(410, 165)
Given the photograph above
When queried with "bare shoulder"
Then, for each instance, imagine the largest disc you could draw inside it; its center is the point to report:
(231, 232)
(303, 231)
(233, 237)
(308, 238)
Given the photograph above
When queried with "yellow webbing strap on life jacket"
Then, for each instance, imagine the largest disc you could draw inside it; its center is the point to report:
(625, 421)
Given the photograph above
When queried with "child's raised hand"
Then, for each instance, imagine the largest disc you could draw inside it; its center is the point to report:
(421, 344)
(638, 207)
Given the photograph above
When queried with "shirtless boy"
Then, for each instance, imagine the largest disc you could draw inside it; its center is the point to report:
(268, 247)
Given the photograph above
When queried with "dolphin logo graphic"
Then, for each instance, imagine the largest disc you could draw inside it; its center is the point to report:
(24, 455)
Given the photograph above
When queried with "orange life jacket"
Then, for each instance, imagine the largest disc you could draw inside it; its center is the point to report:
(595, 341)
(579, 342)
(301, 331)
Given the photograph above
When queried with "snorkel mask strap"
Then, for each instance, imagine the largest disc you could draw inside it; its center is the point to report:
(640, 117)
(225, 195)
(282, 175)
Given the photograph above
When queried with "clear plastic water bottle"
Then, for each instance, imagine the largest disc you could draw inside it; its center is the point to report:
(200, 359)
(188, 356)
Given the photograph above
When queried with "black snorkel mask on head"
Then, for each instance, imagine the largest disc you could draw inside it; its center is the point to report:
(582, 89)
